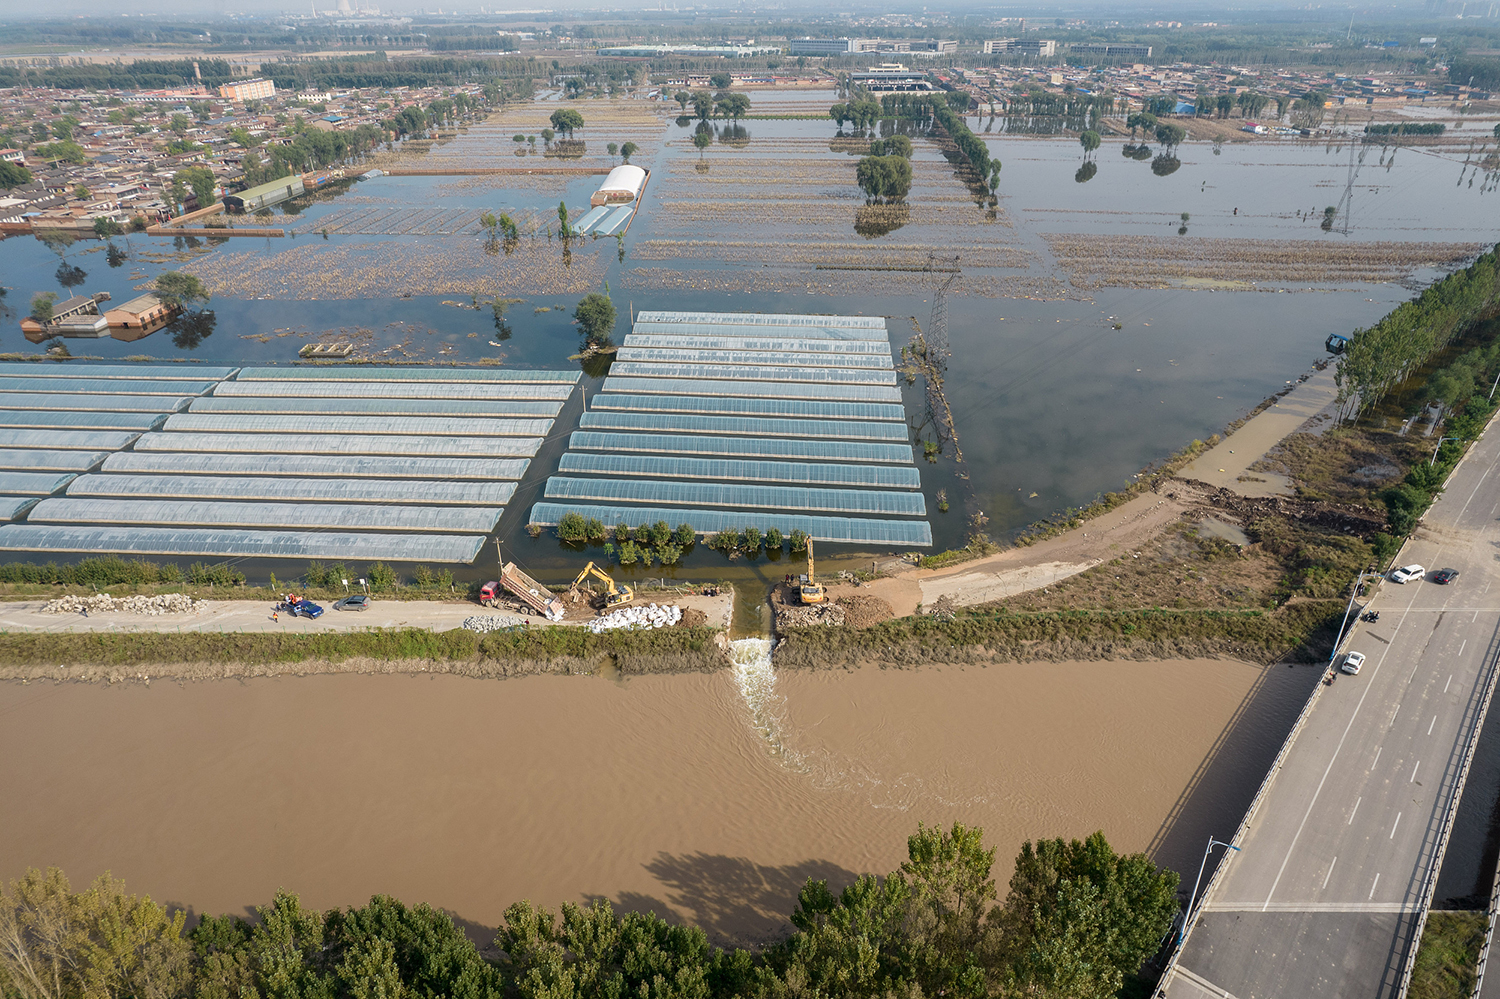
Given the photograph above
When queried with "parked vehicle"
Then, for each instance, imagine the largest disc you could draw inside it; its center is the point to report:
(1352, 662)
(1407, 573)
(524, 588)
(357, 602)
(1445, 575)
(302, 608)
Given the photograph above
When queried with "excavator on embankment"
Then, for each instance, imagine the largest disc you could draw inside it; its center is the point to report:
(810, 590)
(617, 594)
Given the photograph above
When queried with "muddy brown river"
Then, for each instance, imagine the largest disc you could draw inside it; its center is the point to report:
(709, 798)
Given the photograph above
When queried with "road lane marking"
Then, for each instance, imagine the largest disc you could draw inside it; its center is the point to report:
(1434, 722)
(1376, 762)
(1393, 829)
(1329, 874)
(1366, 906)
(1349, 725)
(1412, 781)
(1465, 643)
(1354, 809)
(1372, 888)
(1450, 680)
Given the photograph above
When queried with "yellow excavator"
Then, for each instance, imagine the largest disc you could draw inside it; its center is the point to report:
(810, 592)
(616, 595)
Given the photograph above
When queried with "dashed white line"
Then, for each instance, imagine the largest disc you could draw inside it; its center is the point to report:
(1413, 775)
(1433, 722)
(1354, 809)
(1394, 825)
(1450, 680)
(1376, 761)
(1330, 872)
(1372, 888)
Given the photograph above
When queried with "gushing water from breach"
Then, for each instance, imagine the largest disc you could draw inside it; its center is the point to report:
(756, 679)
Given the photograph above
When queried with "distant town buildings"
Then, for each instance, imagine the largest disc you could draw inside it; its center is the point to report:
(248, 90)
(855, 46)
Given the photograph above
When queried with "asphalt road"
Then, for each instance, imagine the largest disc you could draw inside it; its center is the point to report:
(1323, 897)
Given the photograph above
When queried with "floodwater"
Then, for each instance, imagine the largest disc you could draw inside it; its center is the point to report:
(708, 798)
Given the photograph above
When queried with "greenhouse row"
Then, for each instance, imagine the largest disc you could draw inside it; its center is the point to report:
(343, 466)
(642, 369)
(762, 319)
(741, 330)
(50, 461)
(740, 447)
(12, 507)
(241, 543)
(780, 344)
(361, 444)
(306, 516)
(357, 407)
(740, 470)
(69, 440)
(737, 494)
(89, 385)
(386, 373)
(691, 424)
(420, 426)
(116, 403)
(853, 530)
(20, 419)
(753, 390)
(32, 483)
(772, 358)
(395, 390)
(275, 488)
(751, 407)
(126, 372)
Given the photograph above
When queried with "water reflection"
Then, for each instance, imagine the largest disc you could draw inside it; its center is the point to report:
(1086, 172)
(114, 256)
(190, 329)
(1165, 165)
(70, 276)
(871, 221)
(737, 136)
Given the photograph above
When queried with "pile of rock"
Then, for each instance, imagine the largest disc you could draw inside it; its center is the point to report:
(167, 603)
(492, 622)
(803, 616)
(638, 618)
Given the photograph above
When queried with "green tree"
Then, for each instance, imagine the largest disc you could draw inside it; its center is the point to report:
(887, 177)
(703, 104)
(702, 140)
(840, 114)
(721, 81)
(566, 121)
(13, 175)
(734, 106)
(66, 151)
(41, 306)
(596, 316)
(628, 150)
(683, 99)
(201, 180)
(1089, 140)
(1170, 135)
(180, 123)
(613, 149)
(177, 288)
(107, 228)
(562, 217)
(893, 145)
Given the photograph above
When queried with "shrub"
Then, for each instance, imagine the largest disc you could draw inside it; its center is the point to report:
(798, 539)
(752, 540)
(773, 539)
(593, 529)
(630, 553)
(214, 575)
(660, 533)
(571, 527)
(382, 577)
(622, 532)
(685, 536)
(668, 554)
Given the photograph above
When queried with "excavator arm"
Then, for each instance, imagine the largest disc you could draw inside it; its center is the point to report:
(617, 594)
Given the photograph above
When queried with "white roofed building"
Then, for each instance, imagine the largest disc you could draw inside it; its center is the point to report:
(623, 186)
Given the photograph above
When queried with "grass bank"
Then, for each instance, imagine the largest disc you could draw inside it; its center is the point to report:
(102, 657)
(1449, 956)
(1301, 630)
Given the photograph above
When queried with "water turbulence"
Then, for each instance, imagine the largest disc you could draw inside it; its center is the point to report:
(756, 679)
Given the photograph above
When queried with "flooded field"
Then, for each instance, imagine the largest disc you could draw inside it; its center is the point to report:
(1094, 330)
(709, 797)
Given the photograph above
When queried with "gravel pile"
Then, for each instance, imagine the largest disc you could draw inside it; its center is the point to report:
(638, 618)
(804, 616)
(492, 622)
(169, 603)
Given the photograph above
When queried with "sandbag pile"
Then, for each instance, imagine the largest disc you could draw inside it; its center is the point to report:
(167, 603)
(638, 618)
(492, 622)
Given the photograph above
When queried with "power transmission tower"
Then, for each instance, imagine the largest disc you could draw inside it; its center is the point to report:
(937, 326)
(1346, 203)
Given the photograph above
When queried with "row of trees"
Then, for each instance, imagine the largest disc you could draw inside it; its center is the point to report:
(1078, 920)
(707, 105)
(1379, 357)
(1408, 128)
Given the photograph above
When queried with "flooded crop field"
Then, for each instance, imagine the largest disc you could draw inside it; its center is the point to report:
(1097, 322)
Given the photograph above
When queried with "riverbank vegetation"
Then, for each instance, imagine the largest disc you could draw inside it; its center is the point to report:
(122, 656)
(1079, 921)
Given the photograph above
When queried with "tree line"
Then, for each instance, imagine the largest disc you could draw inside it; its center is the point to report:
(1078, 921)
(1408, 128)
(1379, 357)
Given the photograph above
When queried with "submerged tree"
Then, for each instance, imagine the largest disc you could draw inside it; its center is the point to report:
(596, 316)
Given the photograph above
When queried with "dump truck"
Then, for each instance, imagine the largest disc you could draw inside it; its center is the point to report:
(525, 589)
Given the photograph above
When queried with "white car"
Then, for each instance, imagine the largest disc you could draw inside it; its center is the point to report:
(1407, 573)
(1352, 662)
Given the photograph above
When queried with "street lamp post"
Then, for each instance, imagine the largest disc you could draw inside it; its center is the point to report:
(1353, 592)
(1439, 448)
(1202, 864)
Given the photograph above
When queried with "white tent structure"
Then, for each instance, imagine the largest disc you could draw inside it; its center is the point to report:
(622, 187)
